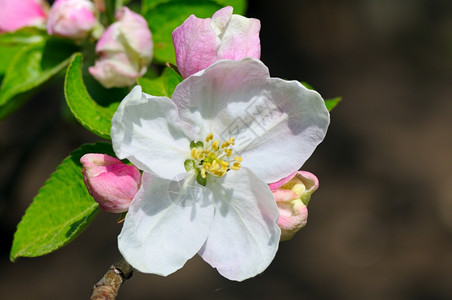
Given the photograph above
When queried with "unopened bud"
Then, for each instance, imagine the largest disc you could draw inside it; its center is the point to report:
(201, 42)
(112, 183)
(125, 50)
(71, 18)
(292, 195)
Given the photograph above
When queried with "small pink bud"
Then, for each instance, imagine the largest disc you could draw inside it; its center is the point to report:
(112, 183)
(201, 42)
(292, 195)
(15, 14)
(71, 18)
(125, 50)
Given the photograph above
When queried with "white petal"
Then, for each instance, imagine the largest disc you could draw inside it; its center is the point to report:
(148, 132)
(277, 125)
(203, 95)
(244, 236)
(166, 225)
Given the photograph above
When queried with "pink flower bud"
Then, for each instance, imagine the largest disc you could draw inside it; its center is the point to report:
(125, 50)
(15, 14)
(292, 195)
(201, 42)
(71, 18)
(112, 183)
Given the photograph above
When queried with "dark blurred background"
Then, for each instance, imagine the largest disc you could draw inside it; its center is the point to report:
(380, 226)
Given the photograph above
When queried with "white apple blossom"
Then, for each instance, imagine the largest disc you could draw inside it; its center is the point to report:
(207, 155)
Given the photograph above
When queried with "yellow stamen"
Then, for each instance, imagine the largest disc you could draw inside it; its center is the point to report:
(213, 159)
(235, 166)
(209, 137)
(215, 145)
(194, 151)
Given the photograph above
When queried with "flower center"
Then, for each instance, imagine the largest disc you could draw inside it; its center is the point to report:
(212, 158)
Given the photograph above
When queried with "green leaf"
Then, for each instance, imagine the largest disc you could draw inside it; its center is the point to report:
(89, 113)
(62, 209)
(12, 42)
(239, 5)
(26, 35)
(164, 17)
(161, 86)
(7, 54)
(33, 65)
(307, 85)
(331, 103)
(189, 165)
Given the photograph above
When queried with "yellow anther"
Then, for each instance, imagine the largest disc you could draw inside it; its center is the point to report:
(209, 137)
(215, 165)
(194, 151)
(213, 159)
(215, 145)
(203, 173)
(235, 166)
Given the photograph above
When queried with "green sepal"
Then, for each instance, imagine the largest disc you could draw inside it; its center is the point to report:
(198, 144)
(202, 181)
(189, 165)
(62, 209)
(122, 217)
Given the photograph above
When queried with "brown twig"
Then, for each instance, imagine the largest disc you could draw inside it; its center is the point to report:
(107, 288)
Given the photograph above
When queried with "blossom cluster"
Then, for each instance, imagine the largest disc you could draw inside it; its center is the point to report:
(124, 48)
(219, 161)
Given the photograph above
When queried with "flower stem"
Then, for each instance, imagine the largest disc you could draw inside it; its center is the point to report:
(107, 288)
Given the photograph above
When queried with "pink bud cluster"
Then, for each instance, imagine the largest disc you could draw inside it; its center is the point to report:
(125, 48)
